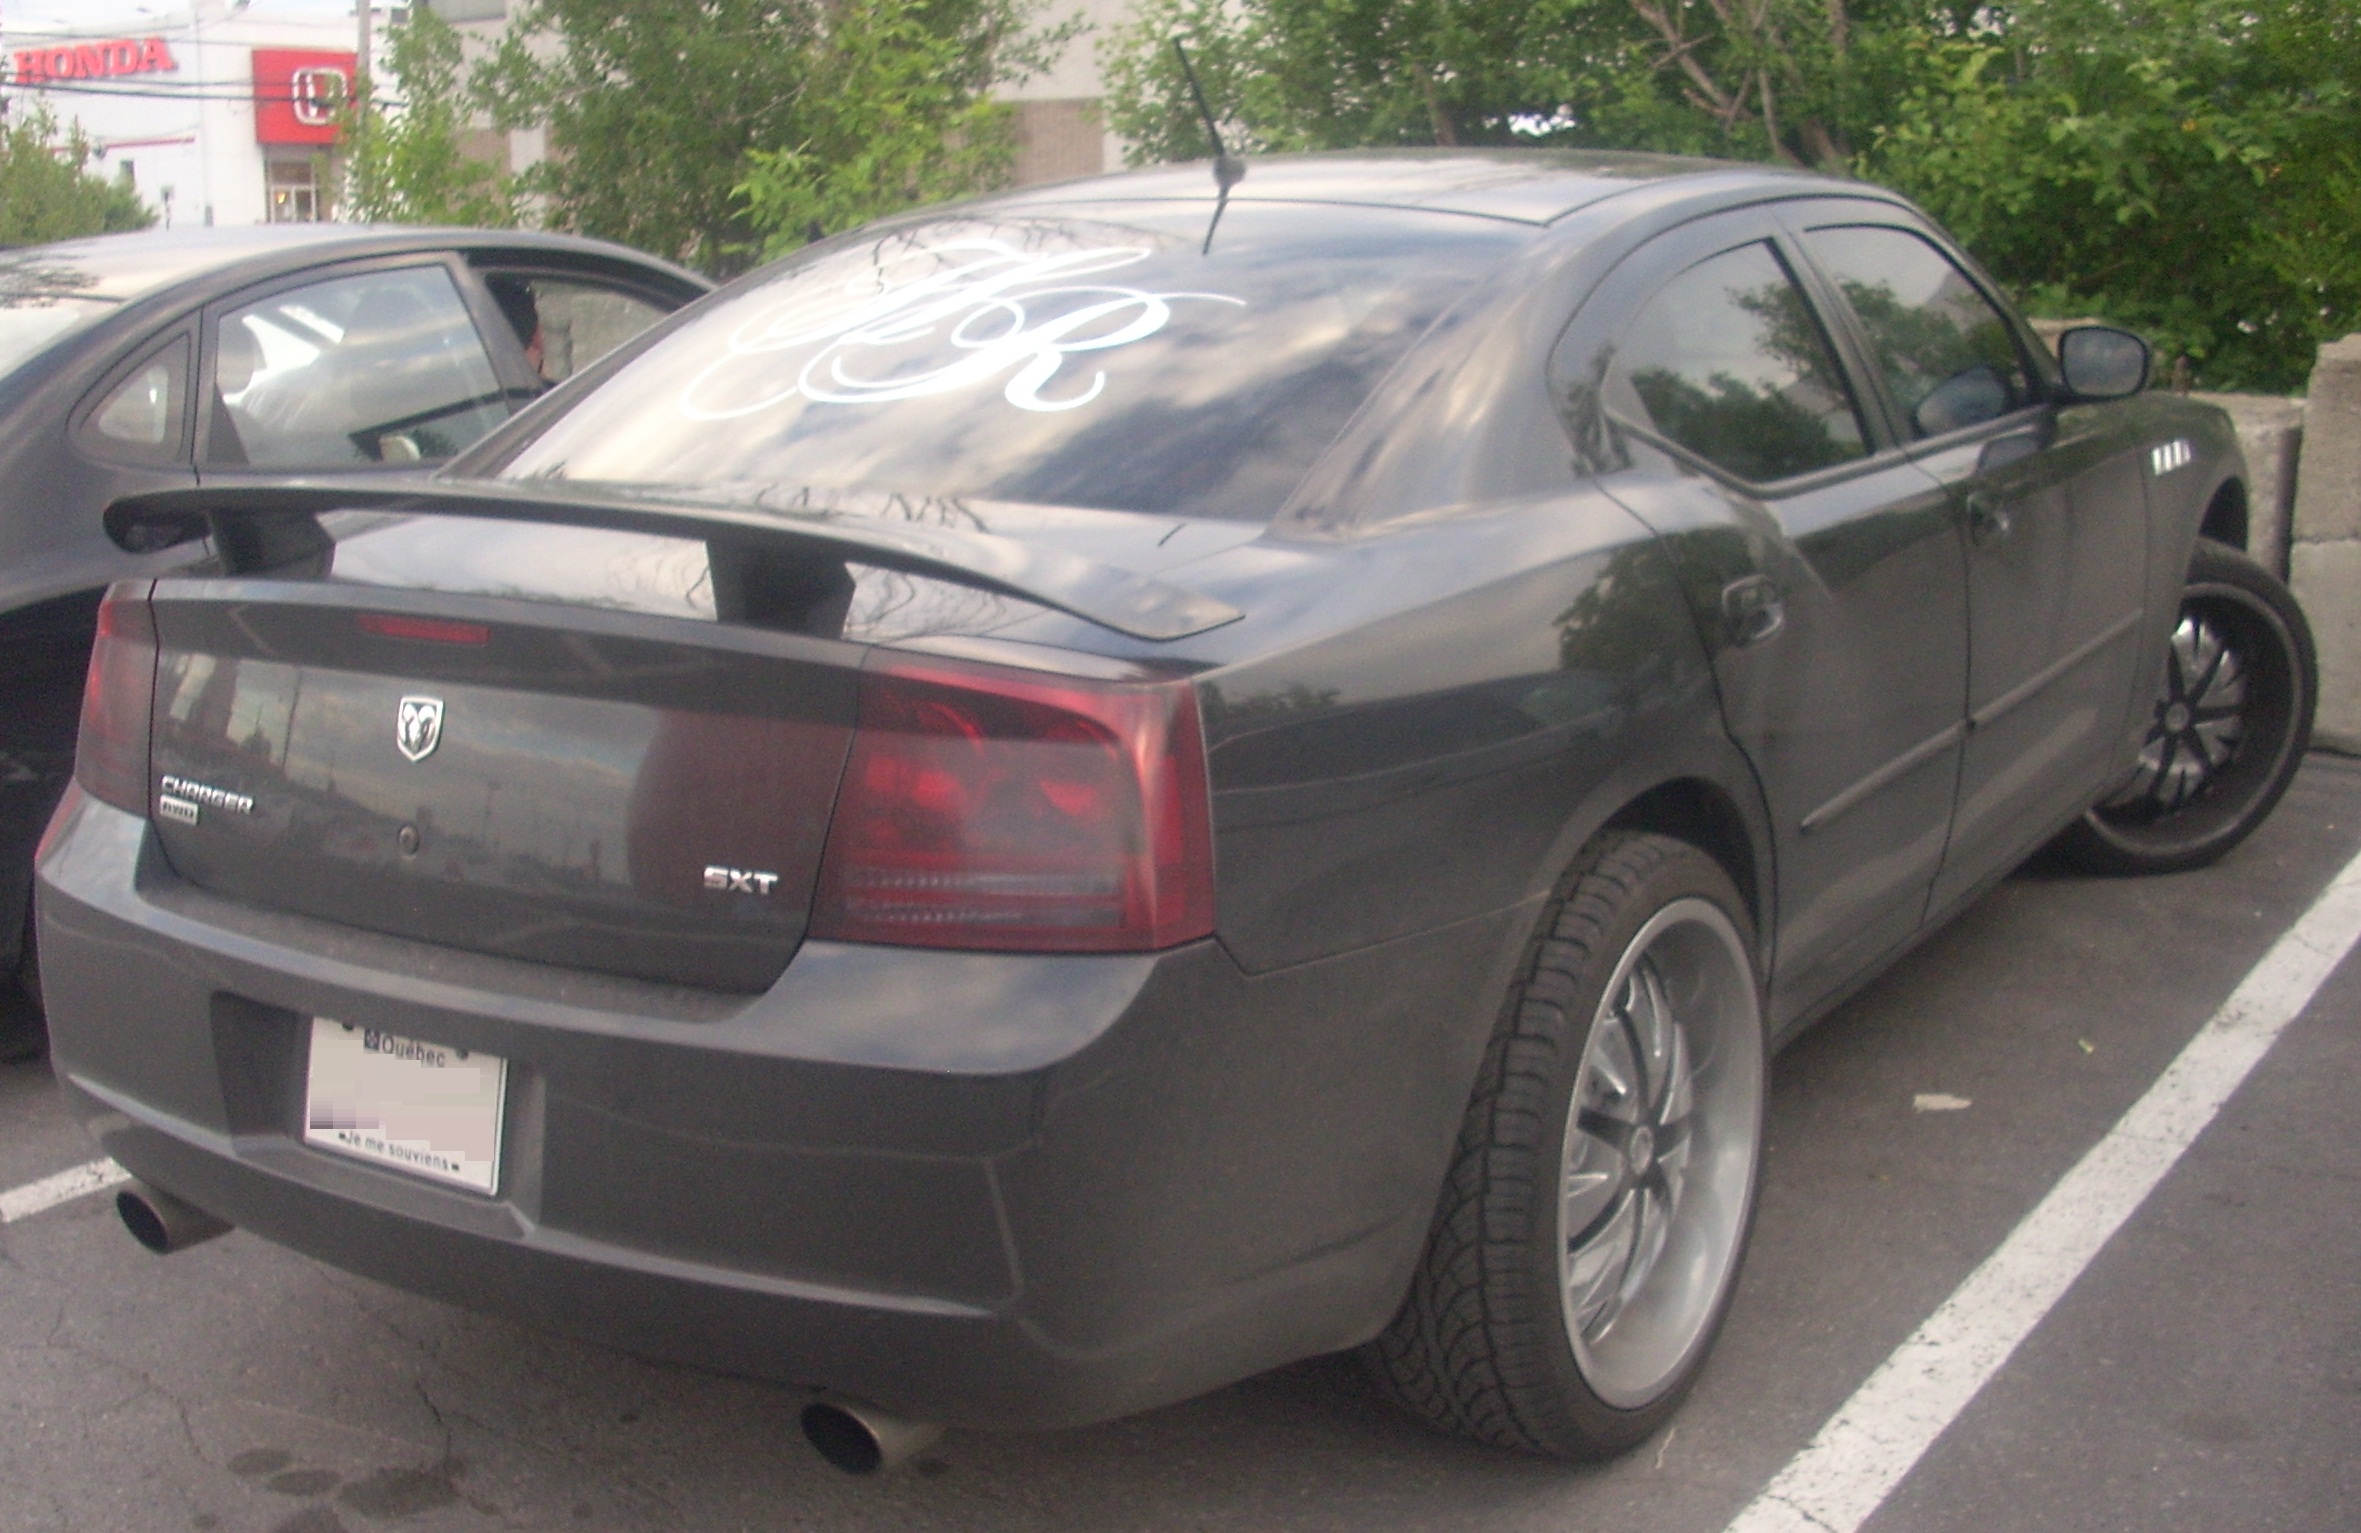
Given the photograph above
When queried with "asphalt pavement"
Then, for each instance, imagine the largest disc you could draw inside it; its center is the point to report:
(2203, 1373)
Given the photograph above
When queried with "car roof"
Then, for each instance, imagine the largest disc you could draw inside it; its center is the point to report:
(1536, 186)
(126, 267)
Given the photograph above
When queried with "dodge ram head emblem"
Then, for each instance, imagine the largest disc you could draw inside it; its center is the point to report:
(418, 727)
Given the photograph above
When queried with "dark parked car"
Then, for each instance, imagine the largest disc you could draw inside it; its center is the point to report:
(175, 358)
(1047, 805)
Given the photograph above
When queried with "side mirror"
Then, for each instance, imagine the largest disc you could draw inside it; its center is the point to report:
(2100, 363)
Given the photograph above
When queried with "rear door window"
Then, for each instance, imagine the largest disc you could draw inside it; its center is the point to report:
(381, 367)
(1729, 361)
(564, 323)
(1948, 357)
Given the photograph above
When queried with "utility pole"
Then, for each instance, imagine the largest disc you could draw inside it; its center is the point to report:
(200, 65)
(361, 54)
(360, 100)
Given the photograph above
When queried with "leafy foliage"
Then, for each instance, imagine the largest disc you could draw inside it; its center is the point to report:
(2190, 168)
(1763, 79)
(709, 130)
(46, 193)
(896, 118)
(409, 166)
(2194, 174)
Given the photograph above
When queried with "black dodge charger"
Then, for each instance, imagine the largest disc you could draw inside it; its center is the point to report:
(1046, 805)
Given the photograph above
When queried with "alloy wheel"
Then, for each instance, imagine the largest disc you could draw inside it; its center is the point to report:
(1659, 1153)
(2199, 723)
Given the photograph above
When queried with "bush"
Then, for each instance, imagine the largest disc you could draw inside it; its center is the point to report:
(46, 194)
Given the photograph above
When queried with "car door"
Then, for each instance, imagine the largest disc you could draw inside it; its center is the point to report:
(367, 364)
(2053, 522)
(1821, 563)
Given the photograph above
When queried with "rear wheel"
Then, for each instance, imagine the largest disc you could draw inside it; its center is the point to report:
(1591, 1227)
(2229, 727)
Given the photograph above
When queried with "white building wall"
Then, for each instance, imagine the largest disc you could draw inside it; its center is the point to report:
(1061, 127)
(188, 133)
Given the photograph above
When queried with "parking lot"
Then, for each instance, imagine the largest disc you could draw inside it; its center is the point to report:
(2203, 1373)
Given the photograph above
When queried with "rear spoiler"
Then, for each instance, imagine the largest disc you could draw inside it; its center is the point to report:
(263, 526)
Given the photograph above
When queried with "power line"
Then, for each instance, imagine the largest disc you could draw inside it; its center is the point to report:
(166, 93)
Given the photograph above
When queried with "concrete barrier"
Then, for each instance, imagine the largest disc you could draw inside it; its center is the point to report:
(2271, 434)
(2324, 558)
(2303, 513)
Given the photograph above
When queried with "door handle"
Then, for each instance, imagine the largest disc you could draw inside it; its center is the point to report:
(1752, 610)
(2016, 447)
(1988, 519)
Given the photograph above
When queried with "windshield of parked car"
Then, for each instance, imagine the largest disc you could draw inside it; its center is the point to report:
(41, 298)
(1101, 357)
(26, 331)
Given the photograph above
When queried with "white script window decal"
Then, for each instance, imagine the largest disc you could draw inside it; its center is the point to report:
(935, 319)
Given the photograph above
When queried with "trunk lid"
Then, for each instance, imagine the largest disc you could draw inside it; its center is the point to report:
(606, 790)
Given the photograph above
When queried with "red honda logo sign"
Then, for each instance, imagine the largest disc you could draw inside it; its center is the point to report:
(297, 94)
(318, 93)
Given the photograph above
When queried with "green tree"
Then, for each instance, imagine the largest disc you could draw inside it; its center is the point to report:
(892, 118)
(46, 191)
(2189, 168)
(1785, 80)
(706, 130)
(404, 162)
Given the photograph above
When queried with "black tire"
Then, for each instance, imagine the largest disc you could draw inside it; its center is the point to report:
(2228, 732)
(1516, 1331)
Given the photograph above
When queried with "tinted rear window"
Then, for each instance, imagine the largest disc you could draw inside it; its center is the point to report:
(1087, 357)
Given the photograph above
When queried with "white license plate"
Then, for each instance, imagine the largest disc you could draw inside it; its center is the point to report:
(420, 1107)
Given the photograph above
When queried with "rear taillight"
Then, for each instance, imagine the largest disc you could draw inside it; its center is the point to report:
(111, 759)
(987, 808)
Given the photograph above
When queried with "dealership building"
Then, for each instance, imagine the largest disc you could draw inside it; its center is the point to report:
(212, 115)
(215, 115)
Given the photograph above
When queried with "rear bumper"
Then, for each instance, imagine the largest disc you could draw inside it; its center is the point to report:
(979, 1189)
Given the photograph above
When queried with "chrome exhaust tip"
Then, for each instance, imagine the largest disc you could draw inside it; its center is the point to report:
(861, 1439)
(162, 1222)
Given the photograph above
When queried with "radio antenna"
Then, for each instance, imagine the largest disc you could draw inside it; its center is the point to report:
(1226, 171)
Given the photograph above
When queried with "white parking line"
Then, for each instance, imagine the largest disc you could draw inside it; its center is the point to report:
(23, 1202)
(1846, 1472)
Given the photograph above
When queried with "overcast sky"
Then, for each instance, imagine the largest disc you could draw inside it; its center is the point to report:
(18, 16)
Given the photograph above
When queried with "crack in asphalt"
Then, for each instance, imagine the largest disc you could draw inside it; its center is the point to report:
(147, 1385)
(654, 1506)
